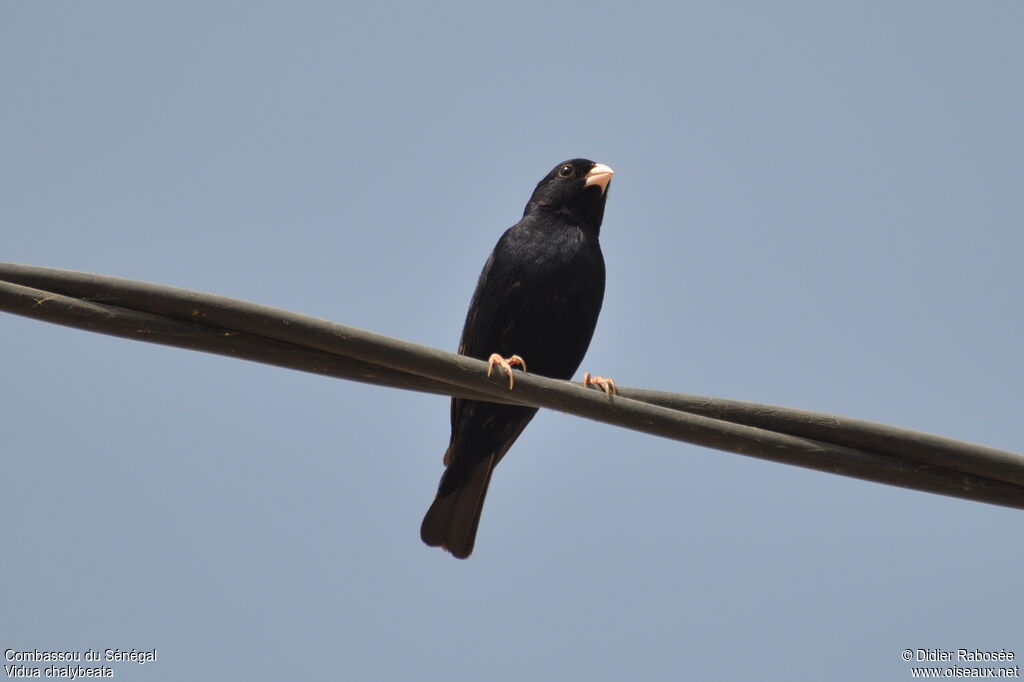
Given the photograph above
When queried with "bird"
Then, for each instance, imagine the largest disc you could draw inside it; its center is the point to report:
(536, 301)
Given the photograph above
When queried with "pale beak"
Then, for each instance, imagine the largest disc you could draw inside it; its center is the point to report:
(599, 175)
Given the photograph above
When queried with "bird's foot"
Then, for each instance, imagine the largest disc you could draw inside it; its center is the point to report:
(605, 384)
(506, 365)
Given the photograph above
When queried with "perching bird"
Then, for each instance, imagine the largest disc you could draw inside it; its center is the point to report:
(536, 303)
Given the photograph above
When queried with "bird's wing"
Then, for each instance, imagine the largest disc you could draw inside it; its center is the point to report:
(468, 330)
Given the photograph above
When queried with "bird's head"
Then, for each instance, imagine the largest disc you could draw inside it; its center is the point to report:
(576, 189)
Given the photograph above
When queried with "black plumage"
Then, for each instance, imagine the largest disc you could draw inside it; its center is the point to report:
(538, 297)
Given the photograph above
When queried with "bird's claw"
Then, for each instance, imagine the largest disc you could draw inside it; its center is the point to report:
(605, 384)
(506, 365)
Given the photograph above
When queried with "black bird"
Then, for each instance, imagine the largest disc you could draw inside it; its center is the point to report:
(537, 302)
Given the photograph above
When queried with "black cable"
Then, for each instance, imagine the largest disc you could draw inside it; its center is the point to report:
(215, 324)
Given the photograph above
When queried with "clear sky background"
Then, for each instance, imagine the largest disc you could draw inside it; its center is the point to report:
(816, 205)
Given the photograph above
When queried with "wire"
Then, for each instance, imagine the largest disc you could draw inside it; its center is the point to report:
(216, 324)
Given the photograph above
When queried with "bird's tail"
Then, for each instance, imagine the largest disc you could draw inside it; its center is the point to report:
(452, 519)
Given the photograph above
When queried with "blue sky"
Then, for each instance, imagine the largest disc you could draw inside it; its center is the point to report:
(815, 205)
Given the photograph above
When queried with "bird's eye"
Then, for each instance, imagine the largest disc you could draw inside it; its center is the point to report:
(566, 171)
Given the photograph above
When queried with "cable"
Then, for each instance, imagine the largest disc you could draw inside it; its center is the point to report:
(216, 324)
